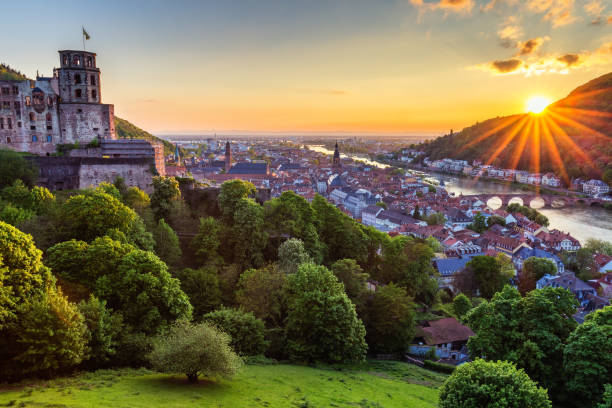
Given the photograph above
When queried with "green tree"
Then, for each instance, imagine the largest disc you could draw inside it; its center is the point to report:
(598, 246)
(167, 243)
(232, 192)
(206, 242)
(50, 335)
(436, 219)
(22, 273)
(606, 401)
(110, 189)
(14, 215)
(248, 234)
(291, 215)
(489, 384)
(482, 276)
(390, 320)
(194, 349)
(530, 331)
(165, 193)
(461, 305)
(291, 254)
(322, 324)
(535, 268)
(246, 331)
(92, 214)
(354, 279)
(136, 199)
(479, 224)
(341, 236)
(262, 292)
(17, 194)
(587, 359)
(202, 287)
(14, 167)
(494, 219)
(41, 199)
(104, 329)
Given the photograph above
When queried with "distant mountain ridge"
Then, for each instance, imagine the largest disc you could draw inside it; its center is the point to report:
(571, 138)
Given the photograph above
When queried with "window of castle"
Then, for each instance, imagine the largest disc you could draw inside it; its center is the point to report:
(5, 90)
(6, 105)
(32, 117)
(76, 60)
(77, 78)
(9, 123)
(64, 59)
(17, 105)
(94, 94)
(15, 90)
(1, 123)
(92, 80)
(48, 117)
(77, 93)
(50, 101)
(34, 138)
(28, 101)
(49, 127)
(33, 127)
(89, 61)
(49, 138)
(8, 140)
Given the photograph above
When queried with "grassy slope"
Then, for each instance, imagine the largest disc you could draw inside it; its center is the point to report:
(9, 74)
(127, 130)
(376, 384)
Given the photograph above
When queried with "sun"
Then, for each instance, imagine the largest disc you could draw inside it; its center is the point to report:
(537, 104)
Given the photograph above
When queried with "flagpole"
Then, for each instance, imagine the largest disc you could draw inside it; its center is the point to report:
(83, 34)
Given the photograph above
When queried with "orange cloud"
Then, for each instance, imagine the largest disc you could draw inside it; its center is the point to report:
(558, 12)
(510, 32)
(569, 59)
(456, 6)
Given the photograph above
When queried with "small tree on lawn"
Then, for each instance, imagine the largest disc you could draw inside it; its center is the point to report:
(194, 349)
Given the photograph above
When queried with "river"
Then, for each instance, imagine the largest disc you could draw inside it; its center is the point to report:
(581, 222)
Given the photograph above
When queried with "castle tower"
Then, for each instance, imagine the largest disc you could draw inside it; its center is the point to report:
(228, 157)
(83, 117)
(79, 78)
(337, 163)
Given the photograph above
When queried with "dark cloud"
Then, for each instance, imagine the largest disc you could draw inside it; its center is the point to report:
(569, 59)
(506, 66)
(530, 46)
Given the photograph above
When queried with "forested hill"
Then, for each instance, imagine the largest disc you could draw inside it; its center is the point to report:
(9, 74)
(572, 134)
(127, 130)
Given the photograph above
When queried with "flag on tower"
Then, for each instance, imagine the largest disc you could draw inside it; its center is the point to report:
(85, 34)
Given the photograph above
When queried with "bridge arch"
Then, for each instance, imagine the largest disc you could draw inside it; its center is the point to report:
(537, 203)
(494, 203)
(516, 200)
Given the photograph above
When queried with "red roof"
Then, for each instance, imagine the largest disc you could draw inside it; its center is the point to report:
(445, 330)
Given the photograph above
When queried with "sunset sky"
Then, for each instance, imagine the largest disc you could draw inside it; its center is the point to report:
(402, 67)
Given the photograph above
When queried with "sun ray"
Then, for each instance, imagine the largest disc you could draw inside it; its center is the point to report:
(571, 122)
(554, 151)
(582, 95)
(505, 123)
(565, 139)
(535, 147)
(585, 112)
(518, 151)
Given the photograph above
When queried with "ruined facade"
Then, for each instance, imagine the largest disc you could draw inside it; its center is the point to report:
(67, 108)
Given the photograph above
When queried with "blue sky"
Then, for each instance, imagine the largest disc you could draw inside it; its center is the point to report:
(319, 66)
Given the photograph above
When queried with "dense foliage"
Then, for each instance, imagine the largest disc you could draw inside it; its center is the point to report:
(246, 331)
(487, 384)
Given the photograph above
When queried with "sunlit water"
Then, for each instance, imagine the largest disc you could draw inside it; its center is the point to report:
(582, 222)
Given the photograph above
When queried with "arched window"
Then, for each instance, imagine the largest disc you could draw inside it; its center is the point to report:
(34, 138)
(89, 61)
(64, 59)
(28, 101)
(76, 61)
(32, 117)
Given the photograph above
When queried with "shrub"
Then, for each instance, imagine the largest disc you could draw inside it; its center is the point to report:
(246, 331)
(194, 349)
(439, 367)
(202, 288)
(104, 329)
(485, 384)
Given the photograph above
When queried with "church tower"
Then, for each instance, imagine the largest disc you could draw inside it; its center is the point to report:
(337, 163)
(228, 157)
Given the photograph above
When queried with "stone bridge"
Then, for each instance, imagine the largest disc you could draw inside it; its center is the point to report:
(539, 200)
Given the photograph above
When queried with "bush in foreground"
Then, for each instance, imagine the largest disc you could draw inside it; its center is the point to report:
(488, 384)
(194, 349)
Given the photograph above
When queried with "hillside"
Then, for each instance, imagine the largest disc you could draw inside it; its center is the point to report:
(572, 136)
(9, 74)
(127, 130)
(378, 384)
